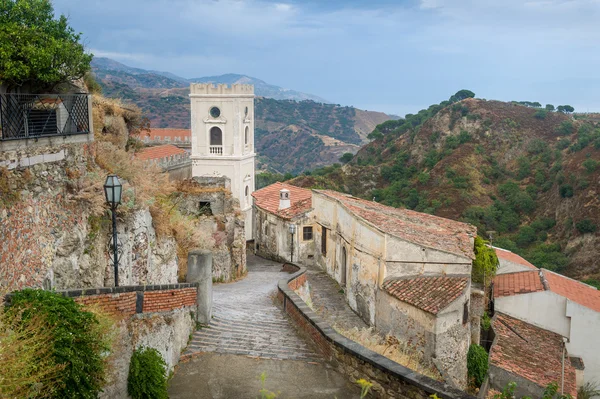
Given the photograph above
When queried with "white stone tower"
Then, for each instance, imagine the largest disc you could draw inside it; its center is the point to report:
(223, 138)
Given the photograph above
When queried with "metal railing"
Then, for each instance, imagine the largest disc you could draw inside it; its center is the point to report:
(26, 116)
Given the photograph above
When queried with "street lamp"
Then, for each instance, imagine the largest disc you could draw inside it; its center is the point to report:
(112, 190)
(292, 231)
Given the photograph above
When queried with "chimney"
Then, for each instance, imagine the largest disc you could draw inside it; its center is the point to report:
(284, 198)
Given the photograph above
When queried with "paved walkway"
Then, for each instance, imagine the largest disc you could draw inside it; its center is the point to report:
(329, 300)
(223, 376)
(246, 321)
(249, 335)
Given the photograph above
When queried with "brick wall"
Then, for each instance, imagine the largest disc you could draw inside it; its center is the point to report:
(390, 379)
(129, 300)
(165, 300)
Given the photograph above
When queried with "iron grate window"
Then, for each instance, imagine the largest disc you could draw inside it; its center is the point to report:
(307, 233)
(24, 116)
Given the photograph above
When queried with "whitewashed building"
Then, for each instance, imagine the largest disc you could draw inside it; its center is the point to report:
(559, 304)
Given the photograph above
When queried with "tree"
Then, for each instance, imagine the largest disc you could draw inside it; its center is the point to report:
(461, 95)
(565, 109)
(549, 107)
(37, 50)
(347, 157)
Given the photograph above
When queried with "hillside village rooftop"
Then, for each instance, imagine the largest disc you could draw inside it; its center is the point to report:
(267, 198)
(431, 294)
(530, 352)
(545, 280)
(420, 228)
(504, 254)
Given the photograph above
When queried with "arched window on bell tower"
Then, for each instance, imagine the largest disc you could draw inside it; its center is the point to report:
(216, 136)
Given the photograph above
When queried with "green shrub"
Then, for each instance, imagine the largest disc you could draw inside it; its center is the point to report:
(563, 143)
(566, 191)
(585, 226)
(147, 375)
(477, 363)
(565, 128)
(485, 263)
(80, 340)
(525, 236)
(486, 322)
(540, 114)
(590, 165)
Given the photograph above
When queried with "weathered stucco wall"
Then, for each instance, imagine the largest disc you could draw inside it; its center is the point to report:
(442, 339)
(584, 339)
(408, 323)
(272, 239)
(407, 259)
(544, 309)
(360, 272)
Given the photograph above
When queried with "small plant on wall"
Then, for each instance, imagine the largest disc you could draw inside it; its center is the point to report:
(147, 375)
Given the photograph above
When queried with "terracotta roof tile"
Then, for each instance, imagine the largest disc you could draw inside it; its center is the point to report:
(431, 294)
(513, 257)
(530, 352)
(576, 291)
(517, 283)
(172, 133)
(421, 228)
(267, 198)
(159, 152)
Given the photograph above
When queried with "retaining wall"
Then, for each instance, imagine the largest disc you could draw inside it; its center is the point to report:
(390, 379)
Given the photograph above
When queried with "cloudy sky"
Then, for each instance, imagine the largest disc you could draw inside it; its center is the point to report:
(388, 55)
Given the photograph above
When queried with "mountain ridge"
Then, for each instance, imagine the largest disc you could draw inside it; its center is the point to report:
(106, 67)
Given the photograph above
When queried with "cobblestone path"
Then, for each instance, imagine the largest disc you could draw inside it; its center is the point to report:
(329, 301)
(247, 322)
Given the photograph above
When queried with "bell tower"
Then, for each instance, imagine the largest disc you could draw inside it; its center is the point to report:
(223, 138)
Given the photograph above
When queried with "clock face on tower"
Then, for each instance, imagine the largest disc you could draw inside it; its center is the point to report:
(215, 112)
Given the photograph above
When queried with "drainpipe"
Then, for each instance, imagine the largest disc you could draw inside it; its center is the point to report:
(562, 378)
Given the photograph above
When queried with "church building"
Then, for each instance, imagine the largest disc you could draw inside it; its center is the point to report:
(223, 139)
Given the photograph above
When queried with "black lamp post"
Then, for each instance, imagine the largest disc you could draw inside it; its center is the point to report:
(292, 231)
(112, 190)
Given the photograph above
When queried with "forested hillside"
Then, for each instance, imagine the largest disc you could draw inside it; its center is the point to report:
(525, 175)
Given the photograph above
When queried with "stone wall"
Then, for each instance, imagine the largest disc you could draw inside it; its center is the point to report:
(390, 379)
(158, 316)
(221, 218)
(50, 238)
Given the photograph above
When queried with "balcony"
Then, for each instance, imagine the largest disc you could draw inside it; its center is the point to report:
(32, 116)
(215, 150)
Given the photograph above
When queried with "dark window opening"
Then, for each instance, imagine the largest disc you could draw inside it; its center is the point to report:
(216, 136)
(307, 233)
(204, 208)
(466, 313)
(324, 240)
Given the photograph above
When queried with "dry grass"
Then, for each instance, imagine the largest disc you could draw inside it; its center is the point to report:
(392, 348)
(169, 222)
(144, 185)
(26, 356)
